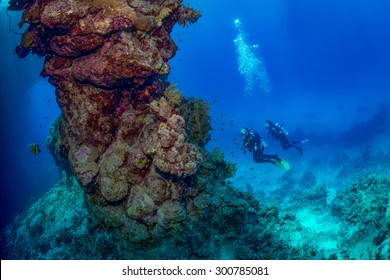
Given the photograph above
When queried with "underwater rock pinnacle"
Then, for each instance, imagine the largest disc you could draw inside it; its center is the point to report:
(108, 61)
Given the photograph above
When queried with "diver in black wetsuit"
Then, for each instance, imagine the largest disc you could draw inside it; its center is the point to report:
(253, 142)
(277, 132)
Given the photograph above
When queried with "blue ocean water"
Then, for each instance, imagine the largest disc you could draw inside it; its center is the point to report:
(327, 61)
(28, 107)
(327, 65)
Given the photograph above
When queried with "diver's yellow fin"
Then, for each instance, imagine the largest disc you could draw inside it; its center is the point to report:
(283, 164)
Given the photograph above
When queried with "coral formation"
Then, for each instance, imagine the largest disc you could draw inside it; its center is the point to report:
(216, 222)
(121, 138)
(195, 112)
(364, 208)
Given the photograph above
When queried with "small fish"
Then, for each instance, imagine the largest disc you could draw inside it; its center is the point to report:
(34, 149)
(251, 168)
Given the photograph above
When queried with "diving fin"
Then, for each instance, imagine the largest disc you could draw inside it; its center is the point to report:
(301, 141)
(283, 164)
(304, 141)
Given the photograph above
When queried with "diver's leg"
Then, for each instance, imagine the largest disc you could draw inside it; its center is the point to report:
(287, 144)
(271, 158)
(284, 142)
(298, 148)
(257, 156)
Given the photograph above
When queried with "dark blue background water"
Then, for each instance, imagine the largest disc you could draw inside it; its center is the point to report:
(328, 62)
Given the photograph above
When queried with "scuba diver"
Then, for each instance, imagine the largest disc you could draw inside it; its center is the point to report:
(255, 144)
(277, 132)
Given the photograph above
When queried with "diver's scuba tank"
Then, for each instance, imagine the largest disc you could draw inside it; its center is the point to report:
(281, 128)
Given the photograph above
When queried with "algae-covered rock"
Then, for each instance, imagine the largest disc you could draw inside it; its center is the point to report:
(195, 113)
(170, 214)
(140, 203)
(83, 162)
(364, 208)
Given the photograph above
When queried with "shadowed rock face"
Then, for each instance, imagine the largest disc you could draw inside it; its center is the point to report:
(108, 61)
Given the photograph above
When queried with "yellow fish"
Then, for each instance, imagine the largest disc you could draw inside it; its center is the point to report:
(34, 149)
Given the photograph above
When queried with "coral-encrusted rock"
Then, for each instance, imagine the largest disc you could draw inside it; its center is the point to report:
(83, 163)
(364, 208)
(60, 13)
(113, 174)
(171, 153)
(140, 204)
(136, 232)
(170, 214)
(183, 164)
(123, 57)
(114, 189)
(126, 144)
(73, 46)
(161, 108)
(158, 189)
